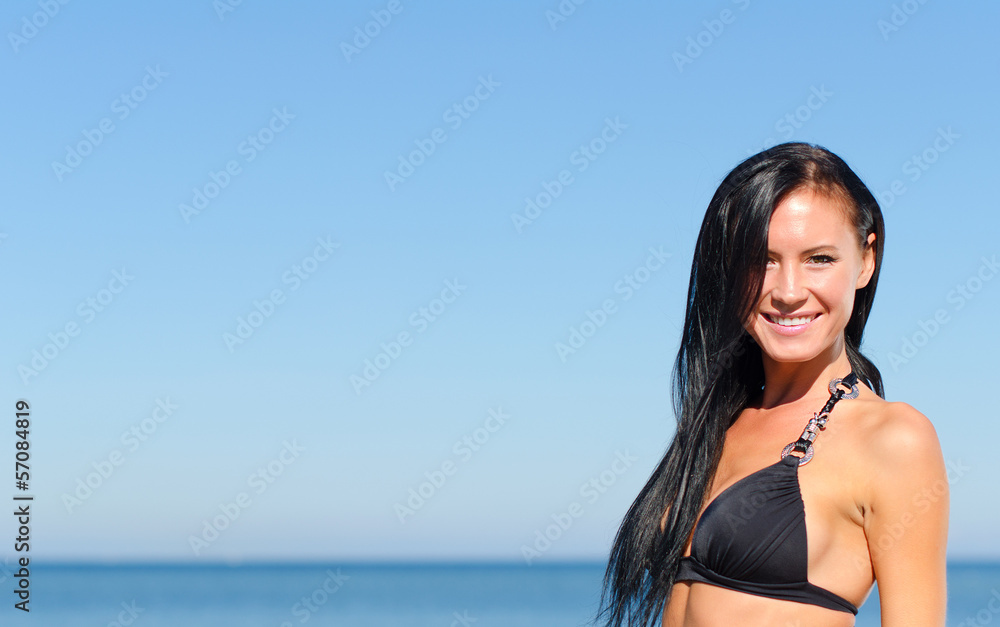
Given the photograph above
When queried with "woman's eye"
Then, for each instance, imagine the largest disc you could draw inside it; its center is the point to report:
(823, 258)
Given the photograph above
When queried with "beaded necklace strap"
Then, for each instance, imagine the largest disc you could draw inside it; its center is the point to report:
(818, 421)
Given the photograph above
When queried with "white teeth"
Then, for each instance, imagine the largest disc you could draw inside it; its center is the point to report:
(789, 322)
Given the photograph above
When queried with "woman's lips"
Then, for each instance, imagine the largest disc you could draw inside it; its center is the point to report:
(789, 330)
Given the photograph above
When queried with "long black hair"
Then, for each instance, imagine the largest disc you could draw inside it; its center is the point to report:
(719, 367)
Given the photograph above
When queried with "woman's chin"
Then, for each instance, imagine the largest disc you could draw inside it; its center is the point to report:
(785, 354)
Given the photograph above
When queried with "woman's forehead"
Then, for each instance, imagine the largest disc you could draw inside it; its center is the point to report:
(808, 218)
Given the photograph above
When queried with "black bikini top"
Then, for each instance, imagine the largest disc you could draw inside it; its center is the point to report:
(752, 536)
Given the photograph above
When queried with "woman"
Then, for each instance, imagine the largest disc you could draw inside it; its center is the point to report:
(783, 280)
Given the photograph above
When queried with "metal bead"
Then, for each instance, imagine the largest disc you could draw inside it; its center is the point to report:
(802, 460)
(849, 395)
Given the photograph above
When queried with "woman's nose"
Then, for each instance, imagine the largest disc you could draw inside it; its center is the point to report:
(789, 285)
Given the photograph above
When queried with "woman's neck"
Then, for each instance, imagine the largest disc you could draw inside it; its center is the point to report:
(788, 382)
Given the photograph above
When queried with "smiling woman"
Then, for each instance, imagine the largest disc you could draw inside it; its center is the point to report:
(782, 282)
(811, 291)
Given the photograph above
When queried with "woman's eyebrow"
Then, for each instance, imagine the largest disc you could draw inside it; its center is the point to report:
(814, 249)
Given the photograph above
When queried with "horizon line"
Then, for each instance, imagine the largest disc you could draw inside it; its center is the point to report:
(362, 562)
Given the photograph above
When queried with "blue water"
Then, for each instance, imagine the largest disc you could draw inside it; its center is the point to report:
(370, 595)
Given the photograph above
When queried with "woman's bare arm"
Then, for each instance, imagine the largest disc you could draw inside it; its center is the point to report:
(906, 519)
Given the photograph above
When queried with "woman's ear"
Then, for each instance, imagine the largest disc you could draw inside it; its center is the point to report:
(867, 262)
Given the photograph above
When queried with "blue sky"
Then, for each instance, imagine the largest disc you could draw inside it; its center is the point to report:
(220, 219)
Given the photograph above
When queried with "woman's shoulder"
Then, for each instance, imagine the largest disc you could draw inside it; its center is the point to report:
(894, 438)
(897, 427)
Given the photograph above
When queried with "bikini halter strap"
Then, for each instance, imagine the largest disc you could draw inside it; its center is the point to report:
(818, 421)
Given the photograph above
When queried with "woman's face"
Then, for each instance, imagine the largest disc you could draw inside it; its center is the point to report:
(814, 266)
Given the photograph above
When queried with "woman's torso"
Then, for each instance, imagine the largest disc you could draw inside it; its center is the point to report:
(833, 486)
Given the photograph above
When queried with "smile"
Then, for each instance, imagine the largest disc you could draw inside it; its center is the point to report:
(789, 325)
(790, 322)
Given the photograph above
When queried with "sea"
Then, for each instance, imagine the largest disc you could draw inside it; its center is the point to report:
(368, 595)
